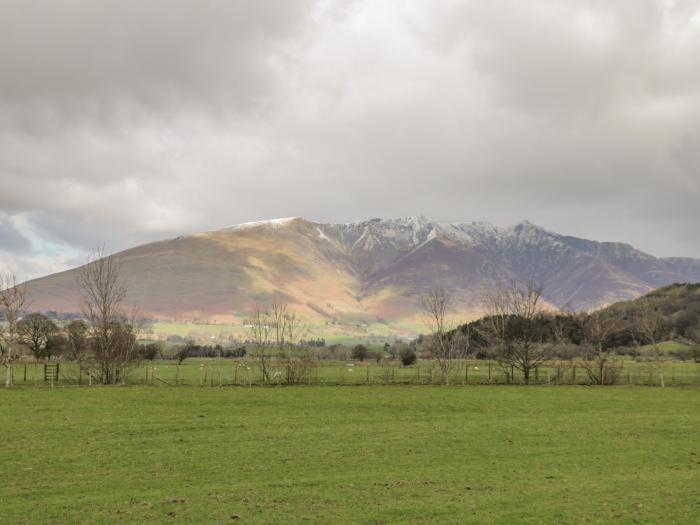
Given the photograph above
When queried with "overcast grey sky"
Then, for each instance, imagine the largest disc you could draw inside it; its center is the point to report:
(124, 121)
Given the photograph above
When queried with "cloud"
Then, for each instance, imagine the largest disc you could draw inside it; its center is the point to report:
(11, 238)
(120, 60)
(123, 122)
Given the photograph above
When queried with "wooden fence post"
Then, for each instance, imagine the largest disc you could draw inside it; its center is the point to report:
(489, 372)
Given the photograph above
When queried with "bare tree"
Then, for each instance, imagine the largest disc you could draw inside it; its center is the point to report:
(446, 343)
(518, 327)
(298, 360)
(649, 331)
(77, 332)
(596, 327)
(279, 313)
(112, 329)
(35, 331)
(286, 332)
(13, 298)
(260, 327)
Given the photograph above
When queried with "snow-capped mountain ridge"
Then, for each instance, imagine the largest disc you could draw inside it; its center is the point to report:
(408, 232)
(524, 251)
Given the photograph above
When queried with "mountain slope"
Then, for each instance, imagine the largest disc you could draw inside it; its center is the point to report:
(368, 271)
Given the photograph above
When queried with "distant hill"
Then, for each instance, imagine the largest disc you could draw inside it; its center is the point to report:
(678, 303)
(369, 271)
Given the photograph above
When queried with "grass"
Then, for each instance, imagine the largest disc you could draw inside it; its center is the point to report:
(488, 455)
(667, 347)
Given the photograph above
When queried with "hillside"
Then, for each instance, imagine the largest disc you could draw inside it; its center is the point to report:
(369, 272)
(679, 305)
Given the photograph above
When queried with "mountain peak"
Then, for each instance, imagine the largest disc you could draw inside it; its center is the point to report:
(409, 220)
(275, 223)
(525, 224)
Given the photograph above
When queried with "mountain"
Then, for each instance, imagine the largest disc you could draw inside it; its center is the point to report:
(368, 272)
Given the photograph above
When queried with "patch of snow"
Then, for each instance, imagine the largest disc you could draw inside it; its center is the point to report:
(404, 234)
(254, 224)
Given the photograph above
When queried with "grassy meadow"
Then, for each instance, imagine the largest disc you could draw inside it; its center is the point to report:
(488, 455)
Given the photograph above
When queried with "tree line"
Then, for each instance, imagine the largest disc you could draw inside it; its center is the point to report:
(104, 343)
(520, 332)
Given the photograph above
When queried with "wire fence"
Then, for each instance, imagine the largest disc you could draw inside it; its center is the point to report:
(247, 373)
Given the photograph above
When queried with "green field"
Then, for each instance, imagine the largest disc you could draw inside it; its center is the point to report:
(400, 454)
(347, 333)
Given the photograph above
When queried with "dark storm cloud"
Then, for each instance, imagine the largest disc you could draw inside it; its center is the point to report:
(127, 121)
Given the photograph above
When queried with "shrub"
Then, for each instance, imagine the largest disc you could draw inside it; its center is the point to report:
(687, 354)
(150, 351)
(360, 352)
(407, 356)
(234, 352)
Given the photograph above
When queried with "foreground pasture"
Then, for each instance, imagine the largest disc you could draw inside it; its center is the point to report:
(399, 454)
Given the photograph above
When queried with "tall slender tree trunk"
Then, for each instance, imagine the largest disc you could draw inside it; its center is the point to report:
(446, 372)
(8, 375)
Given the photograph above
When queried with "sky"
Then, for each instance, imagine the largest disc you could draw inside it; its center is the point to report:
(124, 121)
